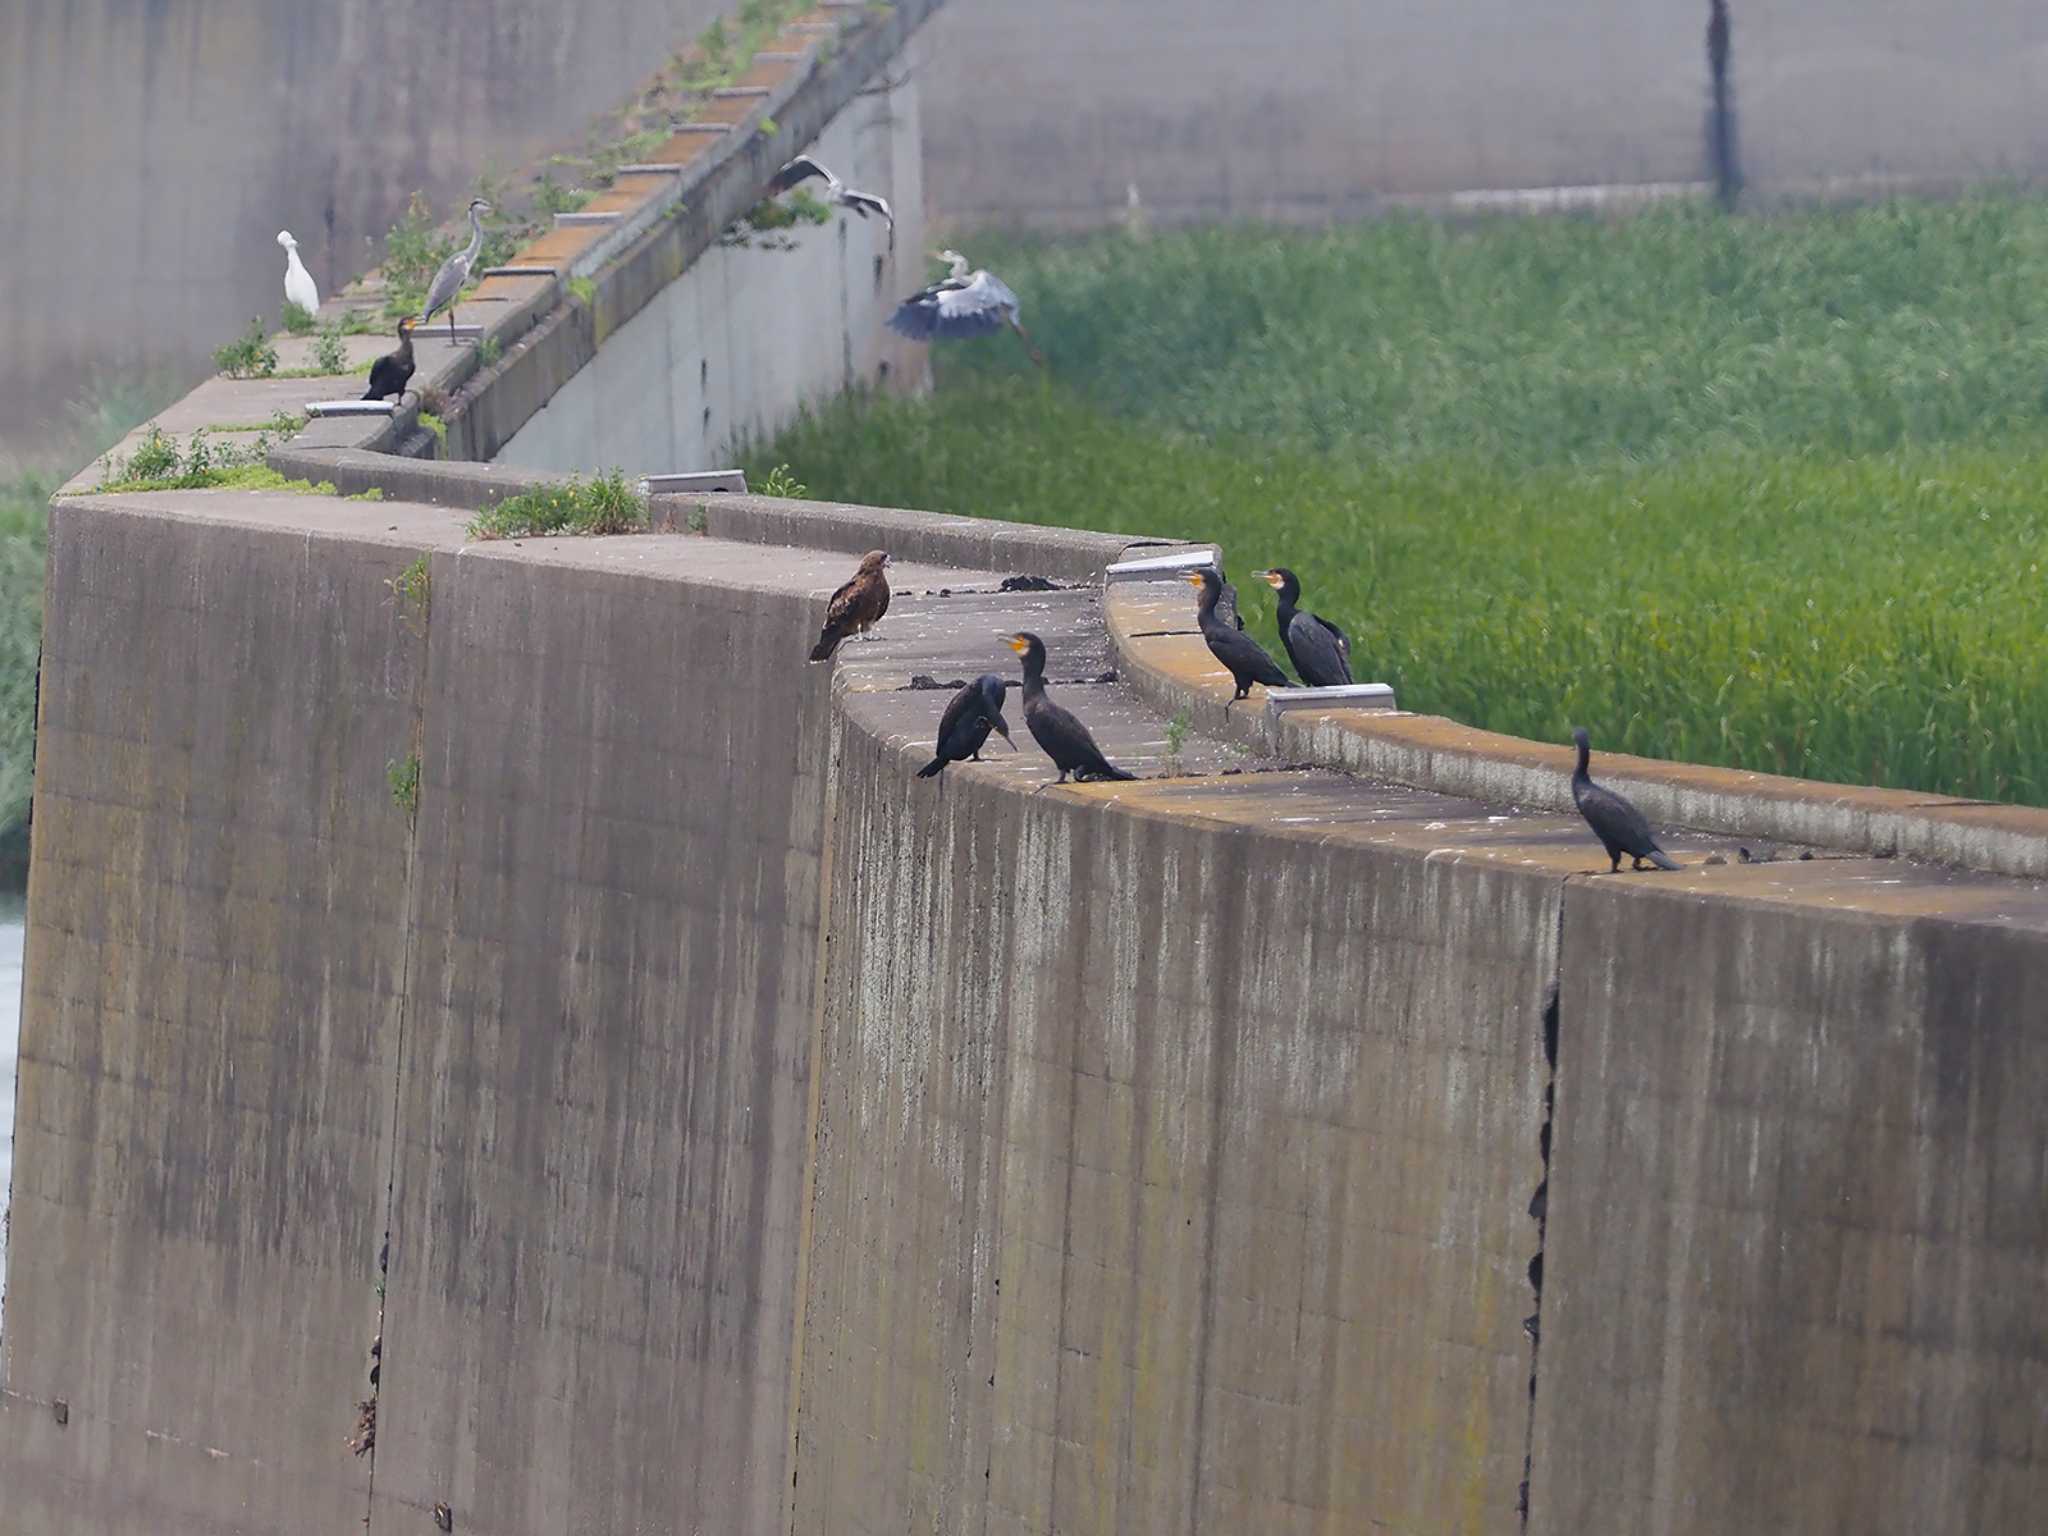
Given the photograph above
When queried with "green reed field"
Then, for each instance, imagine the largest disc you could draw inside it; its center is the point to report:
(1769, 492)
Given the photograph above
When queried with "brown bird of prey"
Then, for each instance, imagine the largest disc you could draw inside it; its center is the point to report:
(856, 607)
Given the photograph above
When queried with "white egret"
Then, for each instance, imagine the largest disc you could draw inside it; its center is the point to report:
(299, 288)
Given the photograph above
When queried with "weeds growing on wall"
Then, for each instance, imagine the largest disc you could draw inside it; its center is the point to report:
(298, 320)
(1760, 492)
(604, 505)
(249, 356)
(204, 463)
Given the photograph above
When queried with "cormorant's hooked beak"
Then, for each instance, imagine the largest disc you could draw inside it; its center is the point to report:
(1193, 579)
(1272, 579)
(1019, 644)
(1003, 731)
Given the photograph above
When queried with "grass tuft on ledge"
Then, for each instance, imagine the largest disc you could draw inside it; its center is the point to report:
(604, 505)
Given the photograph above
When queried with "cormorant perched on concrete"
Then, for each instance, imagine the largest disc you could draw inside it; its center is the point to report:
(975, 710)
(803, 167)
(1320, 651)
(1620, 827)
(965, 303)
(1244, 656)
(1065, 740)
(454, 271)
(1226, 603)
(393, 371)
(856, 607)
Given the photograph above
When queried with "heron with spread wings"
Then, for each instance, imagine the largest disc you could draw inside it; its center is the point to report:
(967, 302)
(803, 168)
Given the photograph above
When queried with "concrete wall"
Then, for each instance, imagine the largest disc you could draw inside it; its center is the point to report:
(746, 336)
(1323, 109)
(140, 230)
(764, 1138)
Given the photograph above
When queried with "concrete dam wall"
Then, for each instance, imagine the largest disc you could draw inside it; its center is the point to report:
(713, 1127)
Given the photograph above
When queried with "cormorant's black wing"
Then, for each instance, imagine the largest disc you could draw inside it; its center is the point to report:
(1315, 651)
(1244, 656)
(1618, 823)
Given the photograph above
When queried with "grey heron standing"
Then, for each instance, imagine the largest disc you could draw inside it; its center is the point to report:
(964, 303)
(454, 271)
(299, 288)
(803, 168)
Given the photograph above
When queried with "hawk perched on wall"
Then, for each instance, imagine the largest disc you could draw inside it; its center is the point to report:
(856, 607)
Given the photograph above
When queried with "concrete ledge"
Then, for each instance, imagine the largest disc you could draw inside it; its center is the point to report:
(461, 484)
(1018, 549)
(1153, 633)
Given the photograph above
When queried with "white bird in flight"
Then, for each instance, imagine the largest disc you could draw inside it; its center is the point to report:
(803, 168)
(965, 303)
(298, 282)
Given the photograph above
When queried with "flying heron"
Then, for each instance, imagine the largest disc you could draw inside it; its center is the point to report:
(299, 288)
(803, 168)
(454, 271)
(965, 303)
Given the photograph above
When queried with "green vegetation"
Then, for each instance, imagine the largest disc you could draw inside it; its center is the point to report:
(251, 356)
(412, 590)
(374, 493)
(488, 351)
(604, 505)
(780, 482)
(437, 426)
(157, 464)
(403, 775)
(329, 355)
(298, 320)
(24, 504)
(583, 290)
(1762, 492)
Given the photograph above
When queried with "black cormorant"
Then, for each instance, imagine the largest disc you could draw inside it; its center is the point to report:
(1065, 740)
(1620, 827)
(393, 371)
(974, 711)
(1244, 656)
(1320, 651)
(857, 606)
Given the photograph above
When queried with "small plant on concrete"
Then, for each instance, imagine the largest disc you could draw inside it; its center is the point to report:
(250, 357)
(550, 197)
(437, 426)
(606, 505)
(329, 355)
(699, 518)
(374, 493)
(488, 351)
(403, 774)
(155, 458)
(412, 590)
(583, 291)
(782, 482)
(297, 319)
(1176, 737)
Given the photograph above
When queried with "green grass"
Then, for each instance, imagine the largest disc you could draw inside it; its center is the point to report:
(603, 505)
(24, 505)
(1757, 492)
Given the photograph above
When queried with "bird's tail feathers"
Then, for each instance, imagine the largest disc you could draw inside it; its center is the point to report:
(931, 769)
(1111, 771)
(827, 644)
(1661, 859)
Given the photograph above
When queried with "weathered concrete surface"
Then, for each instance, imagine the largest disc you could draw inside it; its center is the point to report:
(768, 1139)
(214, 126)
(1167, 1178)
(1798, 1240)
(1330, 109)
(731, 348)
(214, 975)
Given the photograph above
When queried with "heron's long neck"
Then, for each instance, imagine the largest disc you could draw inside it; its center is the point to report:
(960, 268)
(476, 237)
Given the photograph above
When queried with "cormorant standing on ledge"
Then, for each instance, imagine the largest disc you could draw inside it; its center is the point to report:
(1065, 740)
(1620, 827)
(1320, 651)
(1244, 656)
(974, 712)
(856, 606)
(393, 371)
